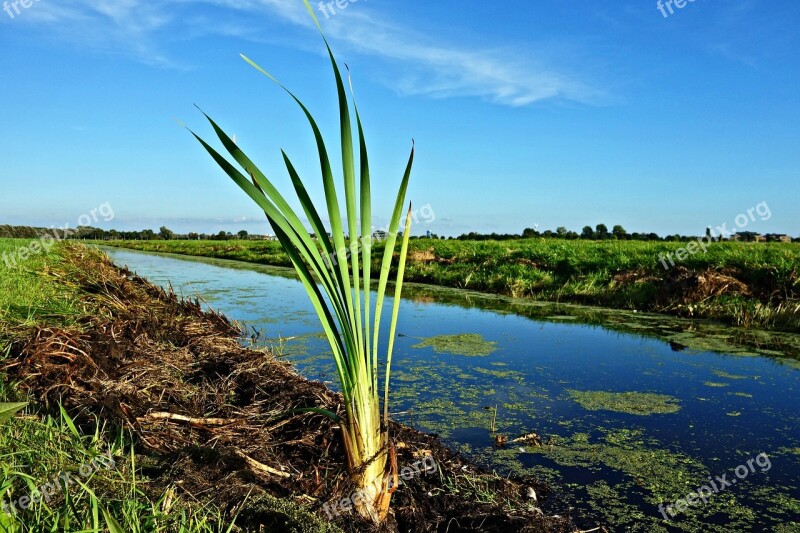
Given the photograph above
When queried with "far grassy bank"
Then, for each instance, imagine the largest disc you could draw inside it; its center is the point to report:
(743, 284)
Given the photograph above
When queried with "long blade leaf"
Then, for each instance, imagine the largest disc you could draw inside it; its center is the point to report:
(398, 291)
(388, 252)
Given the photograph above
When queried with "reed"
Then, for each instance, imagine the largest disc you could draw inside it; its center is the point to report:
(335, 268)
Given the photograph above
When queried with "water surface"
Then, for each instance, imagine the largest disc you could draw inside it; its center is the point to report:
(543, 367)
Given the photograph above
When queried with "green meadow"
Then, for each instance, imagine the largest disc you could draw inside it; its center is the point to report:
(44, 445)
(25, 295)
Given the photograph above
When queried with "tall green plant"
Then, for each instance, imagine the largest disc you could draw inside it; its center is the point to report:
(336, 271)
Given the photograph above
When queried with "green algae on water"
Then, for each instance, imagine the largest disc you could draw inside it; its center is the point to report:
(780, 503)
(502, 374)
(652, 472)
(726, 375)
(467, 344)
(634, 403)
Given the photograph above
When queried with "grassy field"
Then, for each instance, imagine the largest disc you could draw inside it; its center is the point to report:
(25, 295)
(743, 284)
(43, 445)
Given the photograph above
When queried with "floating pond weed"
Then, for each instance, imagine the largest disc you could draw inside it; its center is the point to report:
(634, 403)
(466, 344)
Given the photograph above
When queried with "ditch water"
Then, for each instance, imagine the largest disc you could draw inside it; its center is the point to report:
(703, 399)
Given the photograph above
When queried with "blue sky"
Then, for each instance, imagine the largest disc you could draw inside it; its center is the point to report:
(550, 112)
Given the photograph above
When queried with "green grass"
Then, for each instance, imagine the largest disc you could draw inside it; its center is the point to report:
(37, 448)
(86, 475)
(26, 294)
(587, 272)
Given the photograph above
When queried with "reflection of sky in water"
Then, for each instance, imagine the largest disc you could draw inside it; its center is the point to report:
(528, 376)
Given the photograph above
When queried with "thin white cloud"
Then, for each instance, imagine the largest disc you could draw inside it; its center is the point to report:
(111, 26)
(420, 66)
(445, 70)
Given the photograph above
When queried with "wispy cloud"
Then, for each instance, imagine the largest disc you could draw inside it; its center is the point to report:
(112, 26)
(420, 65)
(445, 70)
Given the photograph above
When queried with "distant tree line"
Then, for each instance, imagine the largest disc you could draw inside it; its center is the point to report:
(90, 233)
(598, 233)
(31, 232)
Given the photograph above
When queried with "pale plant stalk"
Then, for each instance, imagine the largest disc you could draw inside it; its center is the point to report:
(338, 285)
